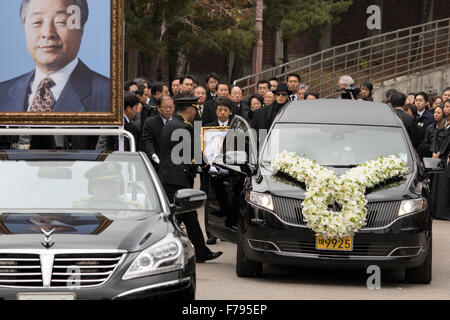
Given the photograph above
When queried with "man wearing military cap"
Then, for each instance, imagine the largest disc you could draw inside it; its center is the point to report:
(106, 184)
(179, 173)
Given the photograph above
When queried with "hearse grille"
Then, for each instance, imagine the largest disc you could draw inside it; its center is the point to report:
(69, 270)
(380, 214)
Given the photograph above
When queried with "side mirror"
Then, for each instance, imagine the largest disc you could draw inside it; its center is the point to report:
(186, 200)
(432, 165)
(236, 157)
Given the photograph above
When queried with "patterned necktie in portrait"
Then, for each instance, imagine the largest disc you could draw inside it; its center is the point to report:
(43, 100)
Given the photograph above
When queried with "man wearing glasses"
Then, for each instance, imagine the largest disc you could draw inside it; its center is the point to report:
(263, 118)
(151, 134)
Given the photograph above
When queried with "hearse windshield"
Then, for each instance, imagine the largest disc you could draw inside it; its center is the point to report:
(336, 145)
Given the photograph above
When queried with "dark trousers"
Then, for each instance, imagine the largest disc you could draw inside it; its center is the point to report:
(204, 186)
(190, 220)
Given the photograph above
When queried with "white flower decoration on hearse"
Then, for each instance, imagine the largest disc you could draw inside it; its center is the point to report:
(324, 188)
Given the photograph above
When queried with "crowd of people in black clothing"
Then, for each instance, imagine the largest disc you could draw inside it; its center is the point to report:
(150, 105)
(426, 119)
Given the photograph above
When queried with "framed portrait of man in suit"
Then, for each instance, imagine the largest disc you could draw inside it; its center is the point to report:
(212, 141)
(61, 62)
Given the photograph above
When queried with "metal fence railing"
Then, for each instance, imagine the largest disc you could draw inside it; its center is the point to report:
(376, 59)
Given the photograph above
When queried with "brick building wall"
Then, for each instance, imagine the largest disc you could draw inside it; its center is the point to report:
(396, 14)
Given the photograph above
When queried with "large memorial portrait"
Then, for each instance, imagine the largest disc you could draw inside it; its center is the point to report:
(61, 62)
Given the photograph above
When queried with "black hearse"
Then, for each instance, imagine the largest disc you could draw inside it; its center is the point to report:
(260, 209)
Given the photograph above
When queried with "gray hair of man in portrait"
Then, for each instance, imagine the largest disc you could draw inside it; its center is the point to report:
(82, 4)
(346, 80)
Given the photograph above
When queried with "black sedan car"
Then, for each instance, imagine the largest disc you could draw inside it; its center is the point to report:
(91, 225)
(260, 209)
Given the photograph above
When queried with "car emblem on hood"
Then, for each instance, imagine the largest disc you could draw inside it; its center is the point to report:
(47, 238)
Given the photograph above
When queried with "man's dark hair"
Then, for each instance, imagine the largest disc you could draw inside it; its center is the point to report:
(446, 89)
(311, 93)
(424, 95)
(82, 4)
(186, 77)
(128, 84)
(273, 79)
(263, 82)
(212, 75)
(412, 108)
(293, 75)
(411, 94)
(224, 102)
(130, 100)
(446, 101)
(390, 92)
(223, 83)
(397, 99)
(157, 86)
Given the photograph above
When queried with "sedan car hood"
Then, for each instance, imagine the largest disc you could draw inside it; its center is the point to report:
(80, 231)
(281, 185)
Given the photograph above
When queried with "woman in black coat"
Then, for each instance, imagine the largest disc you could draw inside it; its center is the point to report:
(424, 149)
(440, 189)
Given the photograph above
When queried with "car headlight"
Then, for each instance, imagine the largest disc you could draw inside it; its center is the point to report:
(413, 205)
(262, 200)
(164, 256)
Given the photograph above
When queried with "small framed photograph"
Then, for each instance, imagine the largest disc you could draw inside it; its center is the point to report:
(212, 141)
(63, 64)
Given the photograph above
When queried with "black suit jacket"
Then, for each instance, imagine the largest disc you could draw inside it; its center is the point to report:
(86, 91)
(112, 143)
(411, 127)
(209, 96)
(209, 112)
(151, 137)
(242, 109)
(183, 174)
(422, 124)
(263, 118)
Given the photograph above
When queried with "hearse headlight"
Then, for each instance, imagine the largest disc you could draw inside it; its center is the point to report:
(413, 205)
(262, 200)
(164, 256)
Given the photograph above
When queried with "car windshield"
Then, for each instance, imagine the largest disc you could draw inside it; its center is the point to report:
(120, 183)
(336, 145)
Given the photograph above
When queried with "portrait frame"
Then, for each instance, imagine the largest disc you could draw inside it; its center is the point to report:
(209, 133)
(89, 119)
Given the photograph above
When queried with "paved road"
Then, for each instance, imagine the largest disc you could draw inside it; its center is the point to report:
(217, 280)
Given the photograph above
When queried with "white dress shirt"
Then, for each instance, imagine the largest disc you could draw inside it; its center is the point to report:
(223, 124)
(60, 78)
(165, 120)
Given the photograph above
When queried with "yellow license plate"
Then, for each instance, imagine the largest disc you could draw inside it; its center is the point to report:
(342, 244)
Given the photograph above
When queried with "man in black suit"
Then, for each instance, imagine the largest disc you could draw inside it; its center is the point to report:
(209, 113)
(263, 118)
(175, 177)
(130, 109)
(424, 117)
(212, 80)
(240, 107)
(397, 101)
(223, 113)
(151, 134)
